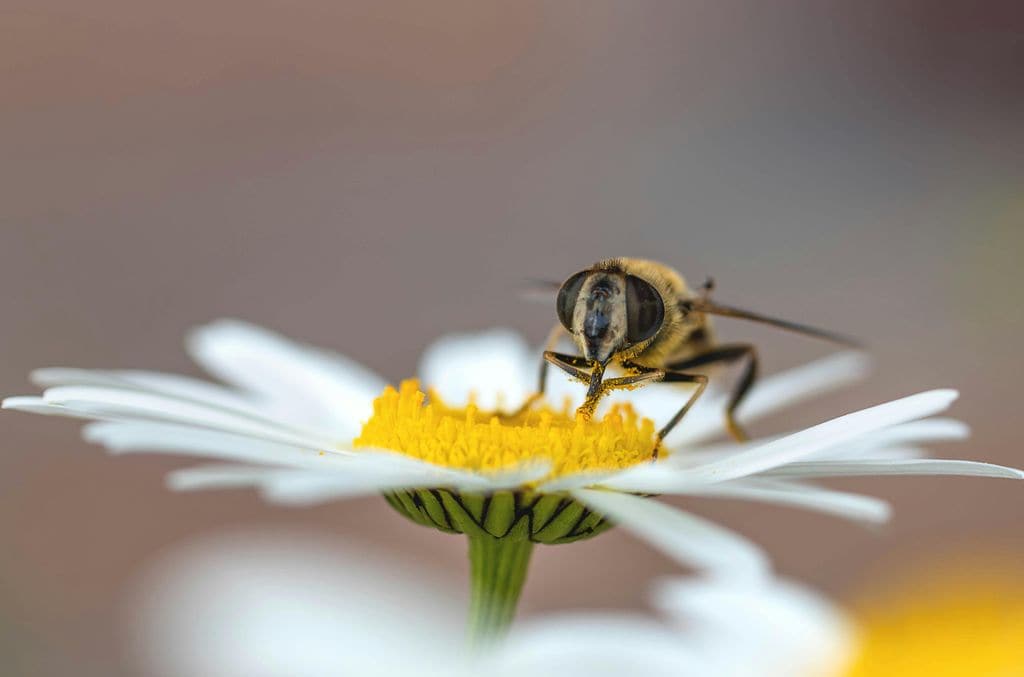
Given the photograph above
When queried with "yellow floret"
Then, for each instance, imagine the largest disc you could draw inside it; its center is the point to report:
(470, 439)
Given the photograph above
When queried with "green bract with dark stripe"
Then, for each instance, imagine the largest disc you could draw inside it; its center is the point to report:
(520, 515)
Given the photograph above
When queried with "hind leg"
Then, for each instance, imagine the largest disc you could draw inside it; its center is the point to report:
(729, 354)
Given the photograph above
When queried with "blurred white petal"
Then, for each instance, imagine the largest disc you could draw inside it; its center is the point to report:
(491, 366)
(777, 630)
(250, 604)
(596, 645)
(315, 386)
(292, 607)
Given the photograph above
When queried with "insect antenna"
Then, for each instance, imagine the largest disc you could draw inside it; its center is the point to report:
(535, 289)
(703, 305)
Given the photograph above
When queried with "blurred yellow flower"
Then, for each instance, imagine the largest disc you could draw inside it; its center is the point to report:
(968, 622)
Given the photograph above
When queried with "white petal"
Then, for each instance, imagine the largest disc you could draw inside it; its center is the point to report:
(306, 489)
(839, 503)
(768, 396)
(886, 443)
(219, 477)
(661, 478)
(190, 391)
(363, 473)
(295, 487)
(824, 436)
(373, 472)
(147, 437)
(492, 366)
(651, 478)
(898, 441)
(870, 453)
(683, 536)
(125, 404)
(172, 385)
(430, 475)
(37, 405)
(923, 466)
(315, 386)
(917, 432)
(329, 470)
(578, 481)
(335, 467)
(515, 478)
(290, 487)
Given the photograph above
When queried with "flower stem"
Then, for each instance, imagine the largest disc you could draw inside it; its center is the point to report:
(497, 573)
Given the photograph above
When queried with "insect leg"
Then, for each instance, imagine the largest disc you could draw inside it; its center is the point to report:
(678, 377)
(571, 365)
(648, 374)
(635, 380)
(728, 354)
(595, 391)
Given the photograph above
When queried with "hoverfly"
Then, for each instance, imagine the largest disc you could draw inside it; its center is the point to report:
(641, 316)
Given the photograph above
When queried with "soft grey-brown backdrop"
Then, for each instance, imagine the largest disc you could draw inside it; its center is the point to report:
(367, 176)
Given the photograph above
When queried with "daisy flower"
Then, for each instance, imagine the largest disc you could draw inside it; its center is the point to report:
(258, 604)
(304, 426)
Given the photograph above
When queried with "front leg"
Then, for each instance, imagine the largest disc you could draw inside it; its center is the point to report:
(634, 380)
(598, 387)
(572, 365)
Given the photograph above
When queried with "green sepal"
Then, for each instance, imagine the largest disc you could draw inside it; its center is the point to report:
(500, 514)
(540, 518)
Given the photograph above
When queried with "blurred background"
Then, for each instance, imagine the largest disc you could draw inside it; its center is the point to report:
(367, 176)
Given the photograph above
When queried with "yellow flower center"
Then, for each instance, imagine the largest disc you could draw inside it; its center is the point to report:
(946, 627)
(470, 439)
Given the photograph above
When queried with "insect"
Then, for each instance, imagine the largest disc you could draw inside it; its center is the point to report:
(641, 316)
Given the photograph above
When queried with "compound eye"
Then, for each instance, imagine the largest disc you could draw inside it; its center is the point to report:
(567, 296)
(645, 310)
